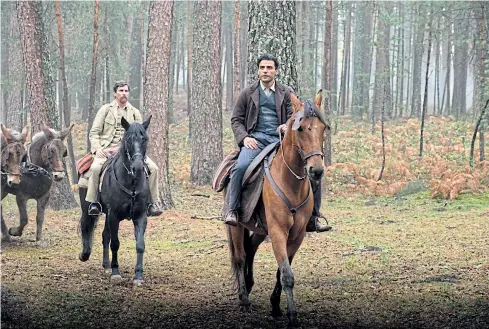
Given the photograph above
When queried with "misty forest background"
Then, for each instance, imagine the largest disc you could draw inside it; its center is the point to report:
(405, 83)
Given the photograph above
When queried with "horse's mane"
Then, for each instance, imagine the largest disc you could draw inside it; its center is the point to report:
(41, 134)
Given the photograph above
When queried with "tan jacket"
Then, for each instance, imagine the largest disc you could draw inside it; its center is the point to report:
(104, 125)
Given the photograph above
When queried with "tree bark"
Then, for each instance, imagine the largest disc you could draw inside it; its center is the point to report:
(65, 106)
(327, 80)
(425, 98)
(93, 75)
(156, 90)
(206, 100)
(237, 49)
(272, 29)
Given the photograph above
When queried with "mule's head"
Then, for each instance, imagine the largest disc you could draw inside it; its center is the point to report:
(54, 151)
(308, 126)
(13, 152)
(134, 144)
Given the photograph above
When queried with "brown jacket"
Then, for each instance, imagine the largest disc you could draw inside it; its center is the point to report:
(245, 113)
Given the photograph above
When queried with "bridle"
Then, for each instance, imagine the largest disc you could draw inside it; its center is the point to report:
(45, 151)
(5, 156)
(134, 192)
(304, 156)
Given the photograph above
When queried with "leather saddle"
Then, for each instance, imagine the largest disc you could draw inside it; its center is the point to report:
(252, 185)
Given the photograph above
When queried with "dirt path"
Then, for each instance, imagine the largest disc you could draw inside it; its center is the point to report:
(383, 266)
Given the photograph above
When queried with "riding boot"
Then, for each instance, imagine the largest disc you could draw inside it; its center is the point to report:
(95, 208)
(154, 209)
(314, 225)
(231, 218)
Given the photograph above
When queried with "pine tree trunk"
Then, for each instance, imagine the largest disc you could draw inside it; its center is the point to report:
(206, 100)
(417, 61)
(425, 97)
(156, 91)
(327, 79)
(272, 30)
(65, 105)
(189, 64)
(93, 75)
(27, 12)
(229, 69)
(237, 49)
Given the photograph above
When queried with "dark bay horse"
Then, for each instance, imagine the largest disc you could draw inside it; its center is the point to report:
(43, 164)
(13, 151)
(286, 206)
(124, 195)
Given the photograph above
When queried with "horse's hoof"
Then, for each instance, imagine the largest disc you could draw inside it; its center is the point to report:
(107, 270)
(245, 307)
(6, 238)
(116, 278)
(294, 323)
(84, 257)
(277, 312)
(137, 282)
(14, 232)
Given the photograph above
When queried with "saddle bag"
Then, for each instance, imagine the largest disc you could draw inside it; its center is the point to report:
(221, 176)
(83, 164)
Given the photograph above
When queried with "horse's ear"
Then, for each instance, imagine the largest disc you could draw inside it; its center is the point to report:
(66, 132)
(296, 103)
(298, 116)
(125, 124)
(26, 134)
(319, 99)
(6, 134)
(47, 132)
(146, 123)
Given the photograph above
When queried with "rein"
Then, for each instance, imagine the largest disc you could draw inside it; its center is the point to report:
(293, 210)
(134, 193)
(33, 166)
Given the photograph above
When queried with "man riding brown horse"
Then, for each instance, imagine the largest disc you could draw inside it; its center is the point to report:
(262, 109)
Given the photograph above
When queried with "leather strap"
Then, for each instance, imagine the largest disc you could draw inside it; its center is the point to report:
(293, 210)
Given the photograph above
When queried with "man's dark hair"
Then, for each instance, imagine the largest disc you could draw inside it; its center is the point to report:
(119, 84)
(267, 57)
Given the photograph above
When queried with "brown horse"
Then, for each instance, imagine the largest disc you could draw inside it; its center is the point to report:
(13, 151)
(286, 206)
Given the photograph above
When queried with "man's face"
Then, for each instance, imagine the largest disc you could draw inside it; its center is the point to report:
(122, 94)
(267, 71)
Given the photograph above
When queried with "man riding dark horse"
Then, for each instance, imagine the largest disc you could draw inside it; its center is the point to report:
(106, 133)
(262, 109)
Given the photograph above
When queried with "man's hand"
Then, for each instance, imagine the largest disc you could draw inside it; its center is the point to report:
(283, 128)
(250, 142)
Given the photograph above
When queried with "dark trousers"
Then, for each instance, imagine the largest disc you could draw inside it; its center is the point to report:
(245, 158)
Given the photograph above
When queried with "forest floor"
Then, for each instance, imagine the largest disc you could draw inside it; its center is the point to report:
(401, 261)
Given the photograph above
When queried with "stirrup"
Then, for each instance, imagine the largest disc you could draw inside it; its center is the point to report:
(94, 209)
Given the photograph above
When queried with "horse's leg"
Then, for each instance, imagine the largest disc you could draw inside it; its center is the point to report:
(113, 222)
(238, 258)
(41, 208)
(283, 252)
(105, 244)
(139, 229)
(87, 225)
(251, 247)
(5, 234)
(21, 204)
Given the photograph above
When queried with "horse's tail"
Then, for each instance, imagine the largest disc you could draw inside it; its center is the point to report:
(234, 264)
